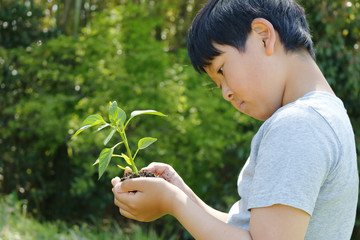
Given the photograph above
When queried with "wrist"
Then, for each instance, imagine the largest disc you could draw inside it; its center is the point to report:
(174, 200)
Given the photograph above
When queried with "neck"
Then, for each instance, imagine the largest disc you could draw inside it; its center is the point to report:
(303, 76)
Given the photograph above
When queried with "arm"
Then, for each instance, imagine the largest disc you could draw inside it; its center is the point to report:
(278, 222)
(157, 197)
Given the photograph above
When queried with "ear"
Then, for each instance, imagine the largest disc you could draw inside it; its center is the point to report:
(265, 30)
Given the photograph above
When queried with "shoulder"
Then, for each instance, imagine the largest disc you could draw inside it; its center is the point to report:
(302, 130)
(315, 126)
(315, 111)
(297, 118)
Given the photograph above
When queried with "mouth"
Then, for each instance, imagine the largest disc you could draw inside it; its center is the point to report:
(239, 105)
(242, 106)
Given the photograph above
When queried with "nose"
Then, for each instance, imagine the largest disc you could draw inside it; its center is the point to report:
(228, 95)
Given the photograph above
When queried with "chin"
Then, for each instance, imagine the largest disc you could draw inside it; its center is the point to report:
(261, 116)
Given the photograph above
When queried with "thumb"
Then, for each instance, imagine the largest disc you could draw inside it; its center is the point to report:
(130, 185)
(137, 184)
(115, 180)
(119, 188)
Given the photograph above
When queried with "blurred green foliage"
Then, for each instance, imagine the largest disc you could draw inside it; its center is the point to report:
(21, 24)
(16, 224)
(135, 54)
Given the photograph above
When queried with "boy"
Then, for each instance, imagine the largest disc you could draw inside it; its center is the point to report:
(301, 179)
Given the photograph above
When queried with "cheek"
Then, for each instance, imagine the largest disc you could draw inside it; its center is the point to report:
(235, 77)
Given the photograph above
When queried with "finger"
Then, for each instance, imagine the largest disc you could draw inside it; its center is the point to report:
(123, 209)
(126, 172)
(115, 180)
(121, 205)
(166, 172)
(126, 214)
(129, 186)
(118, 188)
(126, 202)
(117, 203)
(151, 167)
(156, 168)
(138, 184)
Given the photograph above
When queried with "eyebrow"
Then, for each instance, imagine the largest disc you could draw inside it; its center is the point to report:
(210, 70)
(212, 65)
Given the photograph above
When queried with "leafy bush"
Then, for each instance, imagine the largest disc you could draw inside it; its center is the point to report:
(44, 85)
(21, 24)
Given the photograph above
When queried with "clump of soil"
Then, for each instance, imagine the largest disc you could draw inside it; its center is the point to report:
(130, 175)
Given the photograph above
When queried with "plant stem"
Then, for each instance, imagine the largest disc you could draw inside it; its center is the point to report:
(136, 152)
(123, 136)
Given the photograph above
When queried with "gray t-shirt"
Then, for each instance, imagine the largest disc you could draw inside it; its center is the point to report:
(304, 156)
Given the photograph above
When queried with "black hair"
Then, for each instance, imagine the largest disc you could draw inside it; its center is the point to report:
(228, 22)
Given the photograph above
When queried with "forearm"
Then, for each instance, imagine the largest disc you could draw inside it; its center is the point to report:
(215, 213)
(202, 224)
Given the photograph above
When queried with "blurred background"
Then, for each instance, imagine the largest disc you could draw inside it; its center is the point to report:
(61, 61)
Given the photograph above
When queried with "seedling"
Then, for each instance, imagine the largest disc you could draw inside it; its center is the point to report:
(118, 123)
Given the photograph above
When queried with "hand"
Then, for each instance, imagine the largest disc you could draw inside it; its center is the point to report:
(166, 172)
(144, 199)
(170, 175)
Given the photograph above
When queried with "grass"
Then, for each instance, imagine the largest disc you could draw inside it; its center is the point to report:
(15, 224)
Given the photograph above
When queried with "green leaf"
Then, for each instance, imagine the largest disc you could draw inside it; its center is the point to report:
(144, 112)
(102, 127)
(150, 112)
(93, 120)
(125, 168)
(145, 142)
(111, 134)
(127, 159)
(121, 117)
(104, 160)
(112, 112)
(116, 115)
(90, 121)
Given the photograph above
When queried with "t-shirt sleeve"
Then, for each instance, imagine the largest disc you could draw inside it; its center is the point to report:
(294, 158)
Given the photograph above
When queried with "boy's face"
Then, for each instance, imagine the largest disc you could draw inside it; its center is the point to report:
(251, 80)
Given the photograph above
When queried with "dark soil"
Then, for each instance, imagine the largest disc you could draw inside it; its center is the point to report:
(130, 175)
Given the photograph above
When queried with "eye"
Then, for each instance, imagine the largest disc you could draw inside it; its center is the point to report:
(220, 71)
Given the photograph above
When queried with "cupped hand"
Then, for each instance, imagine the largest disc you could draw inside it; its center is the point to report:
(144, 199)
(166, 172)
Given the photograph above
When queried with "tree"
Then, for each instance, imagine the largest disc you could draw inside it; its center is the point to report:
(20, 24)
